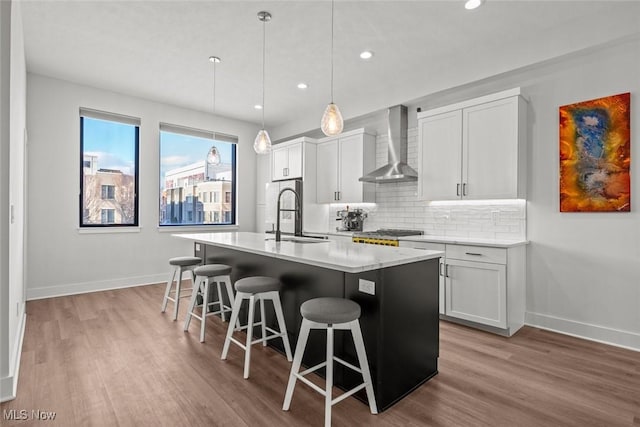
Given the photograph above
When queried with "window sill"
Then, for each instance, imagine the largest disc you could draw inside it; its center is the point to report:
(196, 228)
(108, 230)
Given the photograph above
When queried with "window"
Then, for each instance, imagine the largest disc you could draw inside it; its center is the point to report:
(107, 216)
(108, 169)
(195, 168)
(108, 192)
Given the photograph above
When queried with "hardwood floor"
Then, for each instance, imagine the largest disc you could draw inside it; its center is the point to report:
(112, 359)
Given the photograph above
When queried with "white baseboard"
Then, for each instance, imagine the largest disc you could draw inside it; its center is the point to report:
(86, 287)
(9, 385)
(601, 334)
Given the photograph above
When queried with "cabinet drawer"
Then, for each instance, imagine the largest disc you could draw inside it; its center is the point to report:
(422, 245)
(477, 253)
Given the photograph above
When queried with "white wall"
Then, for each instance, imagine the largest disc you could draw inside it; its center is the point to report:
(13, 99)
(60, 259)
(584, 268)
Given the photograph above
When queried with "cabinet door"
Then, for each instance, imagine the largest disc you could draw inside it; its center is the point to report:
(476, 291)
(440, 156)
(294, 161)
(279, 162)
(490, 150)
(351, 155)
(327, 172)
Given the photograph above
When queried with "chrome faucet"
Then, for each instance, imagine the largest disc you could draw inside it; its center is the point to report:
(297, 211)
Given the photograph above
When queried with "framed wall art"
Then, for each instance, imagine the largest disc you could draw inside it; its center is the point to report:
(595, 155)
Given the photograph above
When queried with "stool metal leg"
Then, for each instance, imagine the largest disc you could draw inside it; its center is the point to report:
(247, 350)
(234, 319)
(167, 291)
(364, 365)
(263, 323)
(223, 313)
(283, 329)
(192, 302)
(205, 307)
(176, 302)
(229, 287)
(297, 361)
(329, 383)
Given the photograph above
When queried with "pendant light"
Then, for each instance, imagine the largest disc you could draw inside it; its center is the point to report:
(262, 143)
(332, 122)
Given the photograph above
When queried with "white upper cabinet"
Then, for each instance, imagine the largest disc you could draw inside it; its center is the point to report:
(441, 160)
(474, 150)
(342, 160)
(287, 160)
(327, 172)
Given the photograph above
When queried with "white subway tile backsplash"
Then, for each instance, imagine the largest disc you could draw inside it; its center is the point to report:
(396, 207)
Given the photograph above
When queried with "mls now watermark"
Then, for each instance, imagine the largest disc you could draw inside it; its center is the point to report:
(24, 414)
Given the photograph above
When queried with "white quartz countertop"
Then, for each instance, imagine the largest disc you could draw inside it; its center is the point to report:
(335, 255)
(471, 241)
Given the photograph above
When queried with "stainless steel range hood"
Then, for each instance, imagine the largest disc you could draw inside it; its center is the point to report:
(397, 169)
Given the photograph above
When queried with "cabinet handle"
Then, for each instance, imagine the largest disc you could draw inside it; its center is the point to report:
(464, 189)
(339, 195)
(457, 189)
(440, 269)
(446, 270)
(335, 195)
(473, 253)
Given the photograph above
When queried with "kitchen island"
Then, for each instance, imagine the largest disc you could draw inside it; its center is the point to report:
(397, 289)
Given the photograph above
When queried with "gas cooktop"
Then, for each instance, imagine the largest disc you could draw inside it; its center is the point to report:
(388, 233)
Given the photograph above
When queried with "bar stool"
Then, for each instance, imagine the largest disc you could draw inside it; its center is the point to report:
(205, 275)
(256, 288)
(330, 314)
(180, 265)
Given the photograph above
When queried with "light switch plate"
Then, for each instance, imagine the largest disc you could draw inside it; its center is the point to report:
(197, 246)
(367, 286)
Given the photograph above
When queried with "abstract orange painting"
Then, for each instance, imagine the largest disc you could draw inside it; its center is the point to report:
(595, 155)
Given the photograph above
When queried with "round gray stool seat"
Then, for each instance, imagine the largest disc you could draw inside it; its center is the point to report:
(330, 310)
(257, 284)
(185, 261)
(212, 270)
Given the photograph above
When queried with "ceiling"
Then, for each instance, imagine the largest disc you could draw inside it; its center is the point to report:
(159, 50)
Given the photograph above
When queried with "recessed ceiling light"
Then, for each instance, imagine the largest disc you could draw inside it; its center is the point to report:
(367, 54)
(214, 59)
(472, 4)
(302, 85)
(258, 107)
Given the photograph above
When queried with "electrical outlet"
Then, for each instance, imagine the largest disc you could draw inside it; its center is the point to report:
(197, 246)
(367, 286)
(495, 217)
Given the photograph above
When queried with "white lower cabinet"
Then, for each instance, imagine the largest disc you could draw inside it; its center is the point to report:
(476, 291)
(481, 286)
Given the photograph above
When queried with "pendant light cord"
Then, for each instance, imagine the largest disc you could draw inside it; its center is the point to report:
(214, 87)
(332, 51)
(264, 43)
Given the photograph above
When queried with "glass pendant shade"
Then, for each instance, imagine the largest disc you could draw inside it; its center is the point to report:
(262, 144)
(332, 122)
